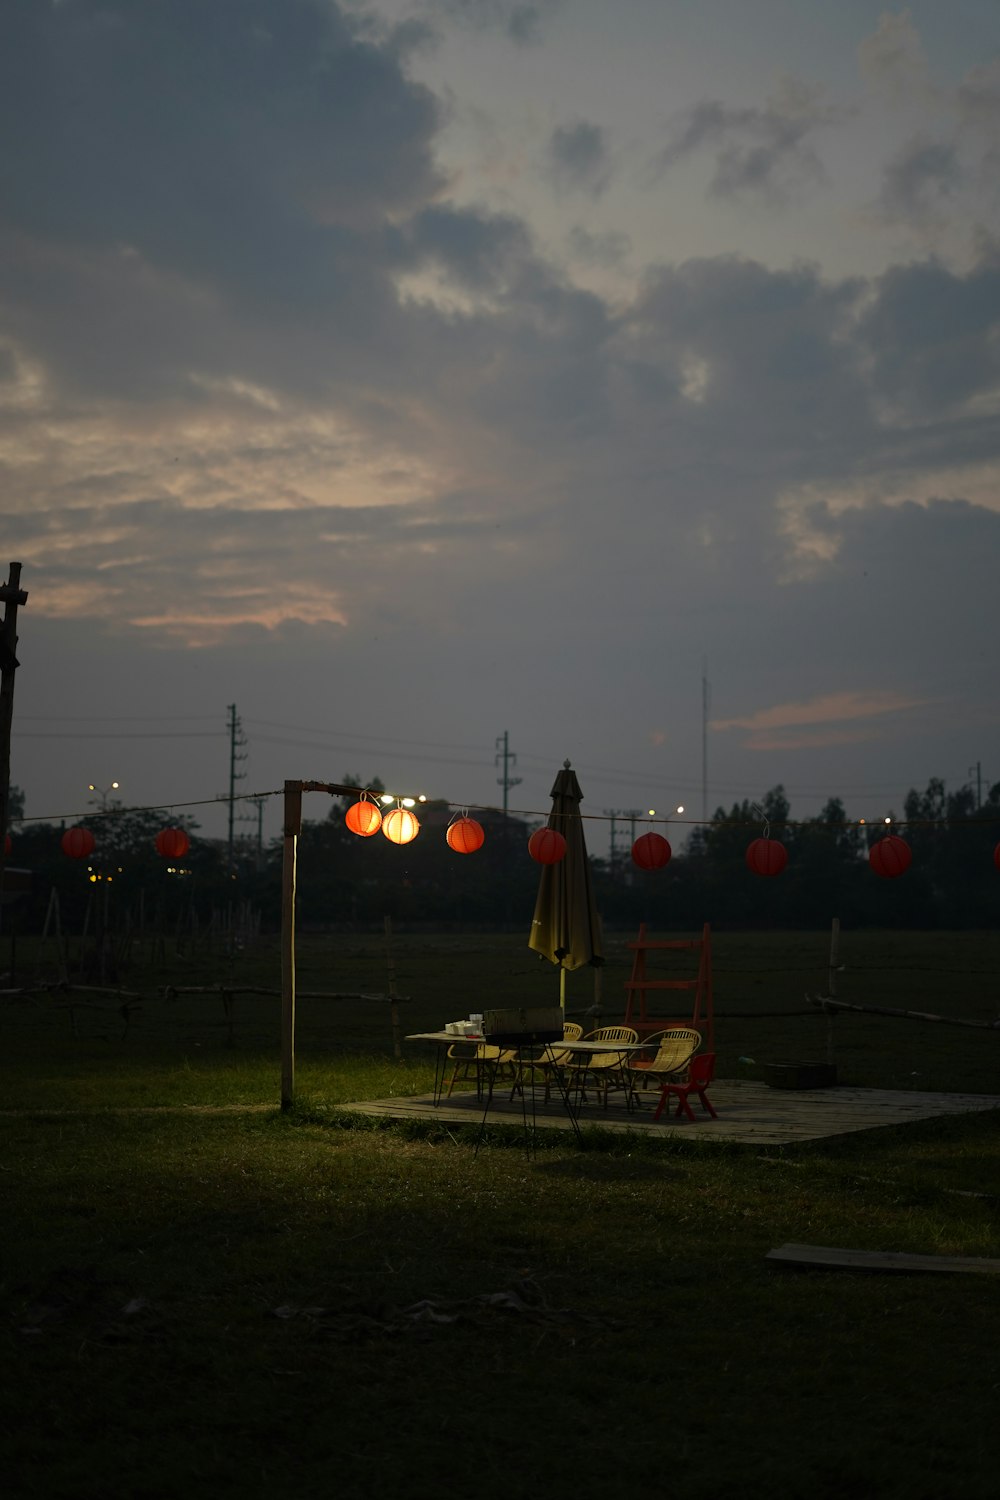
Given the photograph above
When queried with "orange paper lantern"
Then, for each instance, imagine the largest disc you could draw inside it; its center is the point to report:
(766, 857)
(400, 826)
(78, 842)
(651, 851)
(465, 836)
(546, 846)
(363, 818)
(890, 857)
(172, 843)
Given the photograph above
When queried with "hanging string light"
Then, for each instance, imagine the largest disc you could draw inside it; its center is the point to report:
(651, 851)
(363, 817)
(464, 835)
(890, 857)
(547, 846)
(766, 856)
(78, 842)
(401, 826)
(172, 843)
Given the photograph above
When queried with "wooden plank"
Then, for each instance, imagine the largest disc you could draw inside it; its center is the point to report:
(749, 1112)
(829, 1258)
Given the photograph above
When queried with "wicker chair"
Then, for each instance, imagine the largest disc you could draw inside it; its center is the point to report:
(550, 1060)
(605, 1070)
(671, 1051)
(471, 1059)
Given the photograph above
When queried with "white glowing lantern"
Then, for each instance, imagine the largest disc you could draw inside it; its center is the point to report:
(400, 826)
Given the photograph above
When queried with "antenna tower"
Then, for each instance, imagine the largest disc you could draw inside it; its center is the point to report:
(706, 701)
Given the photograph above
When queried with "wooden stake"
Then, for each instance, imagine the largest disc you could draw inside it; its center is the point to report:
(291, 832)
(12, 595)
(397, 1039)
(832, 982)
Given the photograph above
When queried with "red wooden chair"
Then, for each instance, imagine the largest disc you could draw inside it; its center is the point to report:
(700, 1074)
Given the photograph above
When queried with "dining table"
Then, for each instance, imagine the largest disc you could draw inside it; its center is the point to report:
(486, 1067)
(442, 1040)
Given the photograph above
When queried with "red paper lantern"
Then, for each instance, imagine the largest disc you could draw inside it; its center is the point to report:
(400, 826)
(8, 843)
(996, 856)
(651, 851)
(363, 818)
(890, 856)
(766, 857)
(465, 836)
(78, 842)
(547, 846)
(172, 843)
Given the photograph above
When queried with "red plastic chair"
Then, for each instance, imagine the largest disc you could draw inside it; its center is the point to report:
(700, 1074)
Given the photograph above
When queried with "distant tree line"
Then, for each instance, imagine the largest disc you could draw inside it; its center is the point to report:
(351, 883)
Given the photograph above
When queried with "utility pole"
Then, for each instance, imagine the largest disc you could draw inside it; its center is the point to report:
(237, 743)
(258, 803)
(979, 783)
(12, 595)
(627, 815)
(612, 813)
(508, 759)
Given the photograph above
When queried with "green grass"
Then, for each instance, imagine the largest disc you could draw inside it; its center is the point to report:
(222, 1304)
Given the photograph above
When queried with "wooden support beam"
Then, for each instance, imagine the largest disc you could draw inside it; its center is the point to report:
(11, 594)
(291, 829)
(828, 1003)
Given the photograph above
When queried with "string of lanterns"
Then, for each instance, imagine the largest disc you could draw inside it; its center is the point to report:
(889, 857)
(79, 843)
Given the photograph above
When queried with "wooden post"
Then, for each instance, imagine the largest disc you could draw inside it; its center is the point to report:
(390, 962)
(291, 831)
(831, 987)
(12, 595)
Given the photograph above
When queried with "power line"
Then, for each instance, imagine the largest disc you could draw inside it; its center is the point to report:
(324, 733)
(117, 718)
(128, 734)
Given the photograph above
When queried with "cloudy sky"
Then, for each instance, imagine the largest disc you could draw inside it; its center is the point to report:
(411, 372)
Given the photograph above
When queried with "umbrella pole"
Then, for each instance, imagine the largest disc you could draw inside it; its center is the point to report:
(562, 990)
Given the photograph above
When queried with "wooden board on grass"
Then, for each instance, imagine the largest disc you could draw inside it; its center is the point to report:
(825, 1257)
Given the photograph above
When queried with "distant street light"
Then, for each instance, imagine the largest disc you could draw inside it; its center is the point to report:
(103, 792)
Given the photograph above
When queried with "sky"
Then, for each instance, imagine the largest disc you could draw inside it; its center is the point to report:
(617, 383)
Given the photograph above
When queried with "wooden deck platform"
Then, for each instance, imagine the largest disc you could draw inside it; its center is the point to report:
(749, 1113)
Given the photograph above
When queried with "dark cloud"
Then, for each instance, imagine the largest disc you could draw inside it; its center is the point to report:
(978, 96)
(765, 151)
(248, 154)
(608, 248)
(919, 182)
(932, 339)
(479, 249)
(578, 158)
(520, 20)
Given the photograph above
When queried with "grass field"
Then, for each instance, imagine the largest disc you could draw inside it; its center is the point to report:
(250, 1303)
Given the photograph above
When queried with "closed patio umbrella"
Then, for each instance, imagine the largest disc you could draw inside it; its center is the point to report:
(566, 928)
